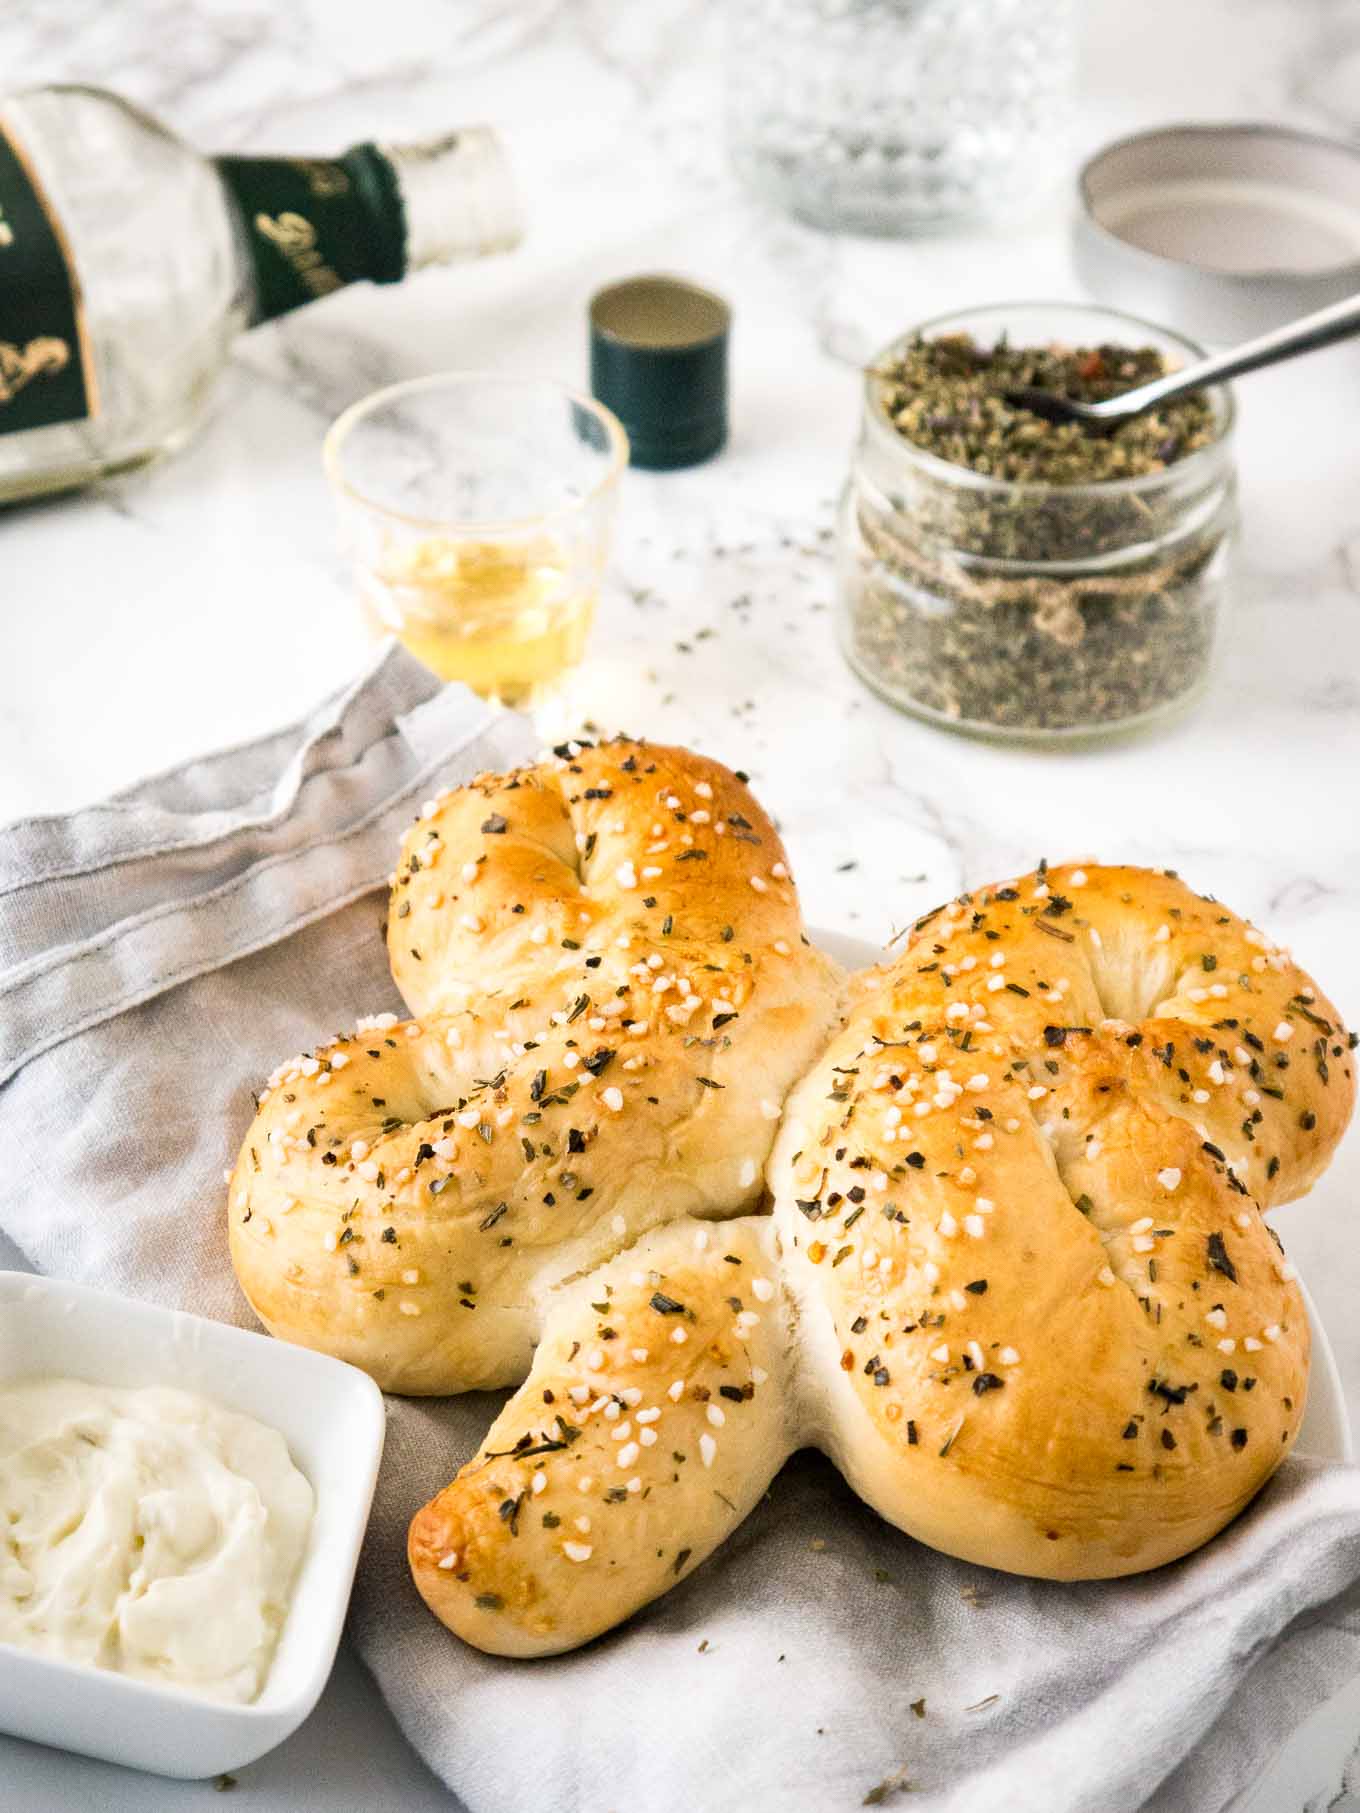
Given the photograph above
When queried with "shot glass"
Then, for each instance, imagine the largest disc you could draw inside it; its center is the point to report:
(478, 512)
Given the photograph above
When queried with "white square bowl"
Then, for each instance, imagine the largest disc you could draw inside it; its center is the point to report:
(331, 1416)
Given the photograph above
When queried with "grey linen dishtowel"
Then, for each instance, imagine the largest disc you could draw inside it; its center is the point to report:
(160, 953)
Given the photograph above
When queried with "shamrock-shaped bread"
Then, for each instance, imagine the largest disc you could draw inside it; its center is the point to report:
(1011, 1275)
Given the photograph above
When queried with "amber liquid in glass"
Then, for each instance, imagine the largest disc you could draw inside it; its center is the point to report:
(507, 618)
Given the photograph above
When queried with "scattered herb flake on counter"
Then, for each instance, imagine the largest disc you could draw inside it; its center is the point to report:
(1080, 589)
(890, 1786)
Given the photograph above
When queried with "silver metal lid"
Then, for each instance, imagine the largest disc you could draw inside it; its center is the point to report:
(1223, 231)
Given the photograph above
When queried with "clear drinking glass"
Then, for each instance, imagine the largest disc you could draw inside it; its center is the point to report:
(891, 116)
(478, 511)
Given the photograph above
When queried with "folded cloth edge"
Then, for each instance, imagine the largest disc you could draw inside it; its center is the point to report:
(414, 728)
(143, 820)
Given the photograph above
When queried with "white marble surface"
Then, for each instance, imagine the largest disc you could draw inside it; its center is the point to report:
(204, 601)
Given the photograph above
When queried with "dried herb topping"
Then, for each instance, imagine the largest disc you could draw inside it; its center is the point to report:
(948, 396)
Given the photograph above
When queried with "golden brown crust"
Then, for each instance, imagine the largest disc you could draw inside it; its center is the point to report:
(1044, 1325)
(615, 994)
(1016, 1282)
(654, 1418)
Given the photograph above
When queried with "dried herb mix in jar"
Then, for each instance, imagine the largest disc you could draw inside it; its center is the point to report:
(1016, 576)
(948, 397)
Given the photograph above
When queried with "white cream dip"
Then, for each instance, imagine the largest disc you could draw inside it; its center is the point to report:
(151, 1532)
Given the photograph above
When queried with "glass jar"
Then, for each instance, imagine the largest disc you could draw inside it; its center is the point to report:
(1035, 612)
(478, 510)
(889, 116)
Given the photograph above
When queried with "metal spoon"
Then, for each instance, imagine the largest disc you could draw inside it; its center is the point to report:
(1335, 322)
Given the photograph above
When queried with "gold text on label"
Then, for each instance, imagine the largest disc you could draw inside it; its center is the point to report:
(323, 179)
(42, 357)
(295, 236)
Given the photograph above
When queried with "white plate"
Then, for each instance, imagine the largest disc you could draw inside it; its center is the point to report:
(331, 1415)
(1326, 1431)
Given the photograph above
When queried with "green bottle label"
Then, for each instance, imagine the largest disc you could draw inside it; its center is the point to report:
(313, 225)
(46, 372)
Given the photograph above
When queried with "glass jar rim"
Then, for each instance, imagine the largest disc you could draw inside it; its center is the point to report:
(964, 477)
(332, 449)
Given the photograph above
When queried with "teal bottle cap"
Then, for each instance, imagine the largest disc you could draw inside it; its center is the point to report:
(658, 359)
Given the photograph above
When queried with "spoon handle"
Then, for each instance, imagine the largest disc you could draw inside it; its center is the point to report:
(1338, 321)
